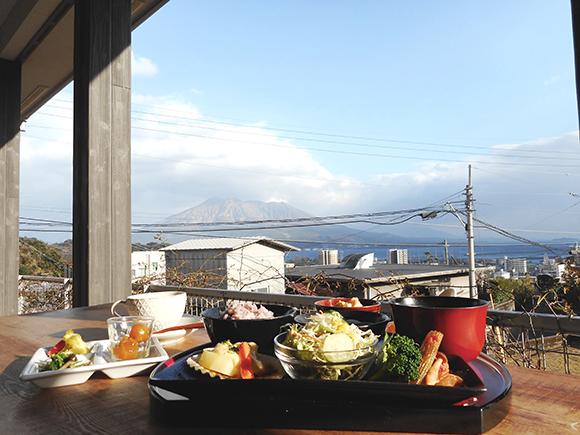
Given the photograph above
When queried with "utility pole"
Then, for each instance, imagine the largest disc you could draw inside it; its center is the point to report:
(469, 229)
(470, 241)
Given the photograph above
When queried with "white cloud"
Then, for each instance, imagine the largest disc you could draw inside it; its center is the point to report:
(181, 158)
(142, 66)
(219, 159)
(198, 160)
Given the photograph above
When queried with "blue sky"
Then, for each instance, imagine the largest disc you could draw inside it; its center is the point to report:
(341, 107)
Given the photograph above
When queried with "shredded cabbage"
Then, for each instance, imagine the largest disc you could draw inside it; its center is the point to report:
(310, 338)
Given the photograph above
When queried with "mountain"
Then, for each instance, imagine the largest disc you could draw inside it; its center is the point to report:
(233, 210)
(250, 218)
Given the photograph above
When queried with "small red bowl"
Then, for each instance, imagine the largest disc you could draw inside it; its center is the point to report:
(331, 304)
(461, 320)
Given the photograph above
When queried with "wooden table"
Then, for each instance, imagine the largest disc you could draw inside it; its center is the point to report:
(542, 402)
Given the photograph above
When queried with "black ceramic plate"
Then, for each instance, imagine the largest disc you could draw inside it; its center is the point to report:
(176, 376)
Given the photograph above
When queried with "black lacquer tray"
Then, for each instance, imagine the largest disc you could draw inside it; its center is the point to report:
(181, 396)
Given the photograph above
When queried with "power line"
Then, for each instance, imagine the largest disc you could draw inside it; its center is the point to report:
(512, 236)
(312, 133)
(310, 218)
(334, 142)
(331, 142)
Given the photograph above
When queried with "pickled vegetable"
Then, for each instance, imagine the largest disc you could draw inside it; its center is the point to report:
(429, 349)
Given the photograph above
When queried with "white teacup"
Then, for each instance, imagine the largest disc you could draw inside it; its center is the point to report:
(166, 307)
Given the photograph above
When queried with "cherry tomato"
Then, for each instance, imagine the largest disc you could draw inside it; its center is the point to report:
(126, 349)
(139, 333)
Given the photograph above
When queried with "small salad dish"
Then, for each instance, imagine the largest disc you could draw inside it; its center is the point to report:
(330, 364)
(326, 347)
(99, 359)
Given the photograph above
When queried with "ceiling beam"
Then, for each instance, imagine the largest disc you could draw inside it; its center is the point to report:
(19, 11)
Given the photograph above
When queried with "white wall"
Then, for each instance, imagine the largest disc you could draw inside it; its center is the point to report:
(256, 268)
(150, 264)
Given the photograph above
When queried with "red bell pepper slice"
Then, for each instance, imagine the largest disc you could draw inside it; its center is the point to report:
(57, 348)
(246, 361)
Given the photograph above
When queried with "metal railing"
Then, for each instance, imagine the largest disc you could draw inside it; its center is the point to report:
(42, 293)
(514, 337)
(540, 341)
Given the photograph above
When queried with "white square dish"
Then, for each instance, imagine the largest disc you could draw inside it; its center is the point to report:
(102, 363)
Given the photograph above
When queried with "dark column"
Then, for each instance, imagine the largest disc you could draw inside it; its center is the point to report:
(102, 152)
(10, 77)
(576, 36)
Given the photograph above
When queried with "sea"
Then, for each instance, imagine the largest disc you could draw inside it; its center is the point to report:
(484, 252)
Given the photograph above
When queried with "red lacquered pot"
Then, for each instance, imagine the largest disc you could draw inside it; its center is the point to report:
(461, 320)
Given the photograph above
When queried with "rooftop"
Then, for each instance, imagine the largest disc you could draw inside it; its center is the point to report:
(382, 272)
(228, 244)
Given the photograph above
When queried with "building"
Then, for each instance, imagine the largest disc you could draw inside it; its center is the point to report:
(148, 264)
(358, 275)
(248, 264)
(357, 261)
(502, 274)
(550, 267)
(515, 266)
(328, 256)
(398, 256)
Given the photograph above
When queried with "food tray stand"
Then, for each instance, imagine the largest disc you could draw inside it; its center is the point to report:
(323, 405)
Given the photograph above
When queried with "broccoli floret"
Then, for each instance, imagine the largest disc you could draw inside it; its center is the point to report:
(398, 360)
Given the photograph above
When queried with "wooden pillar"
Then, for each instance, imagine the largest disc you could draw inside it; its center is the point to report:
(10, 77)
(575, 4)
(102, 152)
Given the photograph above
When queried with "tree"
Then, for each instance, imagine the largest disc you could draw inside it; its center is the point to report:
(524, 292)
(569, 287)
(431, 259)
(40, 259)
(502, 289)
(562, 294)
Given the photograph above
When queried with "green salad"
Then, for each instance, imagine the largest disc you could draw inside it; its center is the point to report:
(65, 359)
(328, 345)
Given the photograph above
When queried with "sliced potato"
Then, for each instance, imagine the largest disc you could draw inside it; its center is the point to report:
(339, 346)
(227, 363)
